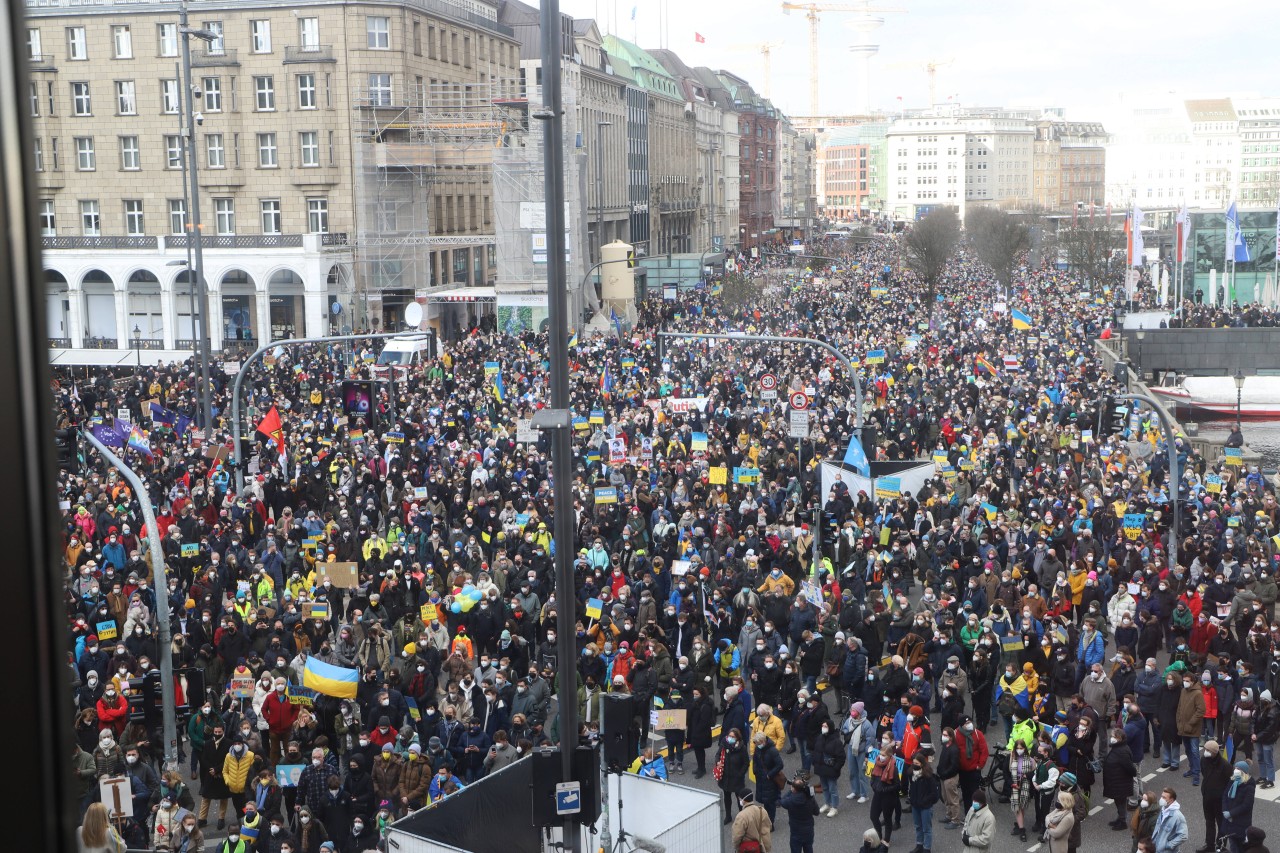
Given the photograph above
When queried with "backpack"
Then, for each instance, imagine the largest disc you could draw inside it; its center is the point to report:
(1007, 704)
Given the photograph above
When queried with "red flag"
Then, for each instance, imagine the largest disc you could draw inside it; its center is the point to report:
(699, 38)
(271, 426)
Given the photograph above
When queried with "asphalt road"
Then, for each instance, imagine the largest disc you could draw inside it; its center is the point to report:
(843, 833)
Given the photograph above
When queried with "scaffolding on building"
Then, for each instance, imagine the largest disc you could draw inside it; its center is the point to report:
(412, 155)
(519, 200)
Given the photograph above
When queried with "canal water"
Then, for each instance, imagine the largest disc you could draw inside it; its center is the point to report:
(1260, 436)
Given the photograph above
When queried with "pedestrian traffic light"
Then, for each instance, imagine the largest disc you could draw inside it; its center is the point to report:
(67, 442)
(1115, 413)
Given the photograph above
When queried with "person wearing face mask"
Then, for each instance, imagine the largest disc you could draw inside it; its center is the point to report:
(1170, 832)
(1148, 686)
(1060, 822)
(972, 746)
(730, 769)
(280, 715)
(1118, 773)
(239, 767)
(190, 837)
(363, 835)
(312, 834)
(1237, 805)
(828, 756)
(1215, 772)
(1190, 719)
(113, 710)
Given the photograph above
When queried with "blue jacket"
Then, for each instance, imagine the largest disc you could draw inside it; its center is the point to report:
(1092, 652)
(1135, 734)
(735, 717)
(1171, 829)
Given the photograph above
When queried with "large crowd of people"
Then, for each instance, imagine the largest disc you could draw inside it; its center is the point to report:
(1019, 630)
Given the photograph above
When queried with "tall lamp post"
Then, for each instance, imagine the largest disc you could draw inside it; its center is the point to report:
(137, 348)
(600, 126)
(189, 120)
(1239, 378)
(1141, 335)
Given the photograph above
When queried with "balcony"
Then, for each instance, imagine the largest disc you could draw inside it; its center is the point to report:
(239, 241)
(315, 176)
(60, 343)
(308, 53)
(41, 62)
(205, 58)
(144, 243)
(100, 343)
(333, 239)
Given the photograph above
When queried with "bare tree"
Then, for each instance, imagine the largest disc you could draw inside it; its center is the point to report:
(738, 290)
(998, 239)
(929, 246)
(1089, 245)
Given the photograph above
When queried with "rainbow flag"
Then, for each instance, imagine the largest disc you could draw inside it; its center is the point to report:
(336, 681)
(981, 361)
(138, 441)
(1020, 320)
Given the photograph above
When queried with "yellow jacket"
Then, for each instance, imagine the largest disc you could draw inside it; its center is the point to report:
(772, 728)
(235, 771)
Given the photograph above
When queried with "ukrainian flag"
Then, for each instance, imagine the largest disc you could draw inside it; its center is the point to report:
(573, 339)
(1017, 689)
(990, 511)
(336, 681)
(1020, 320)
(499, 390)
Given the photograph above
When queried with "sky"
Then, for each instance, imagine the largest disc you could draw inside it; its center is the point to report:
(1025, 53)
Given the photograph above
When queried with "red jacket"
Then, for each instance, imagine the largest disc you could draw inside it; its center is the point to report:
(115, 716)
(973, 749)
(279, 713)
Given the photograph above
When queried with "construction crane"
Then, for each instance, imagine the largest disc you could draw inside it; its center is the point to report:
(765, 49)
(868, 17)
(929, 67)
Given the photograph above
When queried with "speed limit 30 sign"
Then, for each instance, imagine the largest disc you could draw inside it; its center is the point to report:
(769, 387)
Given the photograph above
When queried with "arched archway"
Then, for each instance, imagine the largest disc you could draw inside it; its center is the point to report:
(144, 318)
(239, 309)
(99, 297)
(58, 309)
(285, 294)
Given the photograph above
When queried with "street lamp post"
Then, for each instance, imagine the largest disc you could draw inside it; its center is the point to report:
(1239, 378)
(189, 119)
(1141, 335)
(137, 348)
(600, 126)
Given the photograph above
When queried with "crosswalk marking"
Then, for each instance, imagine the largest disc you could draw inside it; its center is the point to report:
(1148, 777)
(1034, 848)
(1095, 810)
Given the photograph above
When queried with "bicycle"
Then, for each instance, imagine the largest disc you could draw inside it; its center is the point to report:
(996, 778)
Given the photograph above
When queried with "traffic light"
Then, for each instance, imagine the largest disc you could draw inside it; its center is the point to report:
(1115, 415)
(67, 442)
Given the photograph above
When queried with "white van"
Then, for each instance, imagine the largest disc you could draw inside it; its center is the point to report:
(405, 353)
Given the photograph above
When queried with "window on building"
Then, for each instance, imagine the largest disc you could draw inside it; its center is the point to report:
(309, 34)
(169, 101)
(167, 36)
(33, 43)
(268, 154)
(90, 218)
(212, 94)
(33, 93)
(306, 91)
(218, 46)
(81, 105)
(377, 32)
(48, 219)
(225, 215)
(260, 31)
(318, 215)
(126, 98)
(264, 89)
(86, 159)
(177, 216)
(380, 90)
(133, 217)
(215, 150)
(122, 41)
(53, 153)
(309, 147)
(417, 38)
(173, 151)
(77, 44)
(37, 153)
(130, 155)
(270, 208)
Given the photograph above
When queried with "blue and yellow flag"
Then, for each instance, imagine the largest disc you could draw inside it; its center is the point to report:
(336, 681)
(499, 389)
(1020, 320)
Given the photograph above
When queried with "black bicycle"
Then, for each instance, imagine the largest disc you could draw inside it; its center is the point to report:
(996, 779)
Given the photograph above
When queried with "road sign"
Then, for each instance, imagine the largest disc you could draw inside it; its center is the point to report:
(799, 423)
(568, 798)
(798, 400)
(769, 387)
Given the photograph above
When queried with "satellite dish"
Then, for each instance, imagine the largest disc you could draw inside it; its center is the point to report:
(413, 314)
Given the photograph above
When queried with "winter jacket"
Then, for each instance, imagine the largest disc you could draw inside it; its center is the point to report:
(1190, 712)
(979, 830)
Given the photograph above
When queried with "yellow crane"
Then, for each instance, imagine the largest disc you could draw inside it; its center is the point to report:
(929, 67)
(868, 19)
